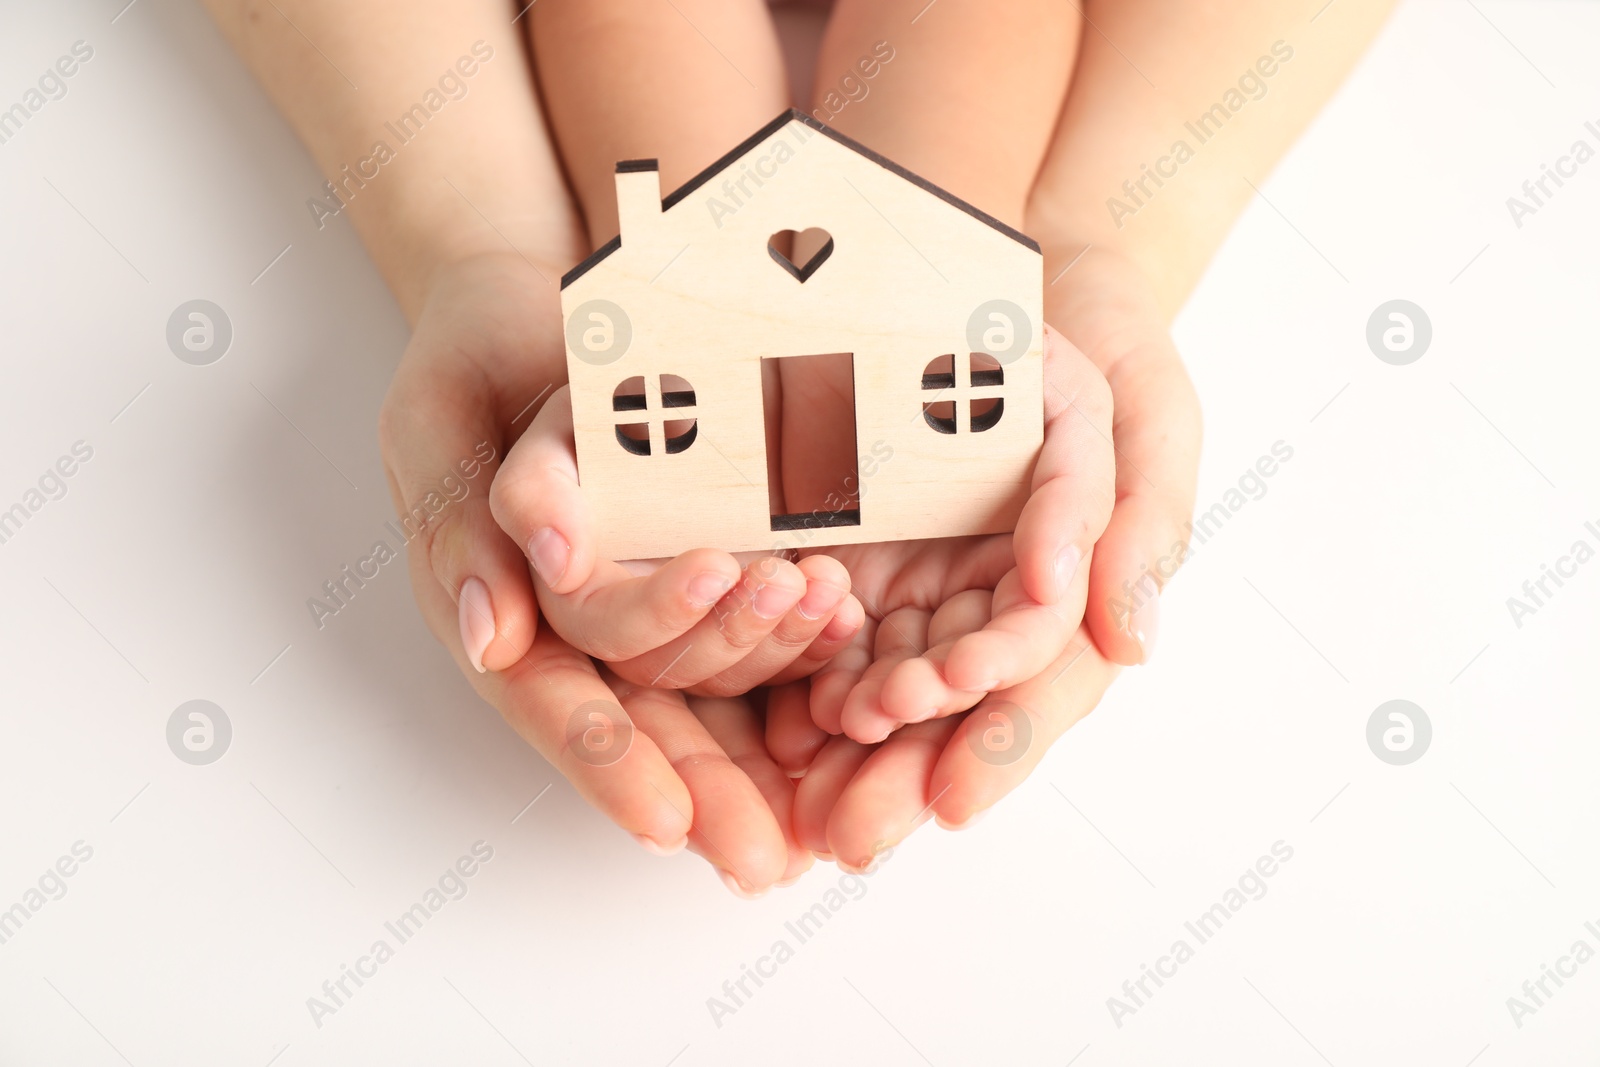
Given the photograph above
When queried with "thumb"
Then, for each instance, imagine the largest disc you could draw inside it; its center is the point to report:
(441, 447)
(538, 503)
(1157, 439)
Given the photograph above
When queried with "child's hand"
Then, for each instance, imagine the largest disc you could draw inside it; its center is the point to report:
(700, 622)
(954, 619)
(856, 798)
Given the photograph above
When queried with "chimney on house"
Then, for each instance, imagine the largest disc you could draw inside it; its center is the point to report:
(638, 196)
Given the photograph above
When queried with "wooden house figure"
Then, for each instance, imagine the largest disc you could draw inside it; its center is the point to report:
(938, 306)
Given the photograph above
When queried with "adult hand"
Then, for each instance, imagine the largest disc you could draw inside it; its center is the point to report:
(486, 348)
(856, 798)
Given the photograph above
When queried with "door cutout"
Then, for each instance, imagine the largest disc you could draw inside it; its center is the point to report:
(818, 487)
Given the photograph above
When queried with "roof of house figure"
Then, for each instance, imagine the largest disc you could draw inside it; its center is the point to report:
(791, 115)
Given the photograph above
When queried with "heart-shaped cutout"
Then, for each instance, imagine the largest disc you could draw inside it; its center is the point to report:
(809, 248)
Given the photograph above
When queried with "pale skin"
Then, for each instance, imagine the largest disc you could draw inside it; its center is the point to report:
(702, 770)
(624, 80)
(1115, 301)
(471, 225)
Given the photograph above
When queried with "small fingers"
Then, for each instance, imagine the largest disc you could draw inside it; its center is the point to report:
(902, 636)
(917, 689)
(738, 623)
(792, 738)
(832, 684)
(796, 635)
(835, 637)
(1022, 639)
(618, 617)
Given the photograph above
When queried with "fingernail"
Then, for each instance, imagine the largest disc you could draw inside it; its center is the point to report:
(820, 599)
(1144, 623)
(772, 601)
(549, 552)
(825, 857)
(839, 630)
(970, 821)
(1067, 568)
(651, 845)
(477, 620)
(738, 888)
(869, 867)
(708, 588)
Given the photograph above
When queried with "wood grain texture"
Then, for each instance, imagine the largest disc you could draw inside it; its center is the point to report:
(692, 291)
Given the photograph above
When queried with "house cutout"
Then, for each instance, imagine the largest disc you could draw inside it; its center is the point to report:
(801, 244)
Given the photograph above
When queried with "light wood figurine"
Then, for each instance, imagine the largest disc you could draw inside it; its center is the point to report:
(674, 330)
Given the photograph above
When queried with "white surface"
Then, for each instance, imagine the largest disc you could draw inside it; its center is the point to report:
(220, 899)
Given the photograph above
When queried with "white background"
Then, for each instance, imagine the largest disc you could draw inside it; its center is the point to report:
(1377, 566)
